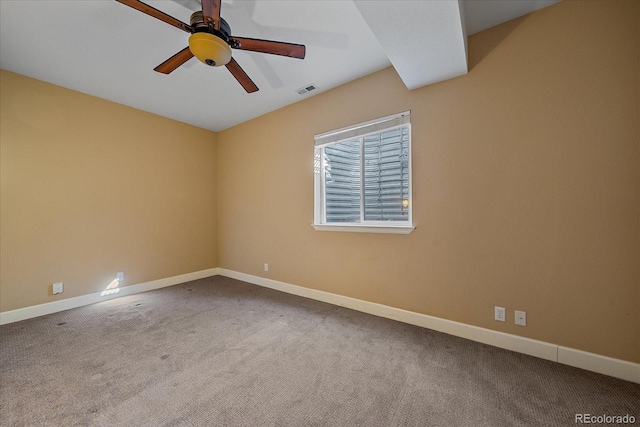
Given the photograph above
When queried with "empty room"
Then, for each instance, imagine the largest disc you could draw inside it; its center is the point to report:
(319, 213)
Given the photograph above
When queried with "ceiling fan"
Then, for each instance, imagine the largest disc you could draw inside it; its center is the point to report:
(211, 41)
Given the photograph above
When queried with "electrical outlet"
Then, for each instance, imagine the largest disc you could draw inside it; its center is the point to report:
(120, 276)
(266, 267)
(500, 314)
(58, 288)
(521, 318)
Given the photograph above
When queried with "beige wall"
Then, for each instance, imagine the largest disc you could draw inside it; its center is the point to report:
(526, 188)
(526, 185)
(90, 188)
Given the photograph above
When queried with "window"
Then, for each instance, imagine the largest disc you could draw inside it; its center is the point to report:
(363, 177)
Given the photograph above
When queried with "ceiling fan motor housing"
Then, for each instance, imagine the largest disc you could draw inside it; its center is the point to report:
(199, 25)
(207, 44)
(211, 41)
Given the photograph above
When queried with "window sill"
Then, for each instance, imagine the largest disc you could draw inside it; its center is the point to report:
(396, 229)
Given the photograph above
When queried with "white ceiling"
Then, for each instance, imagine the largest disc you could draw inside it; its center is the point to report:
(106, 49)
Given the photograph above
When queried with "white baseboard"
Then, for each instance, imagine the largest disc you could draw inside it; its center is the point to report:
(581, 359)
(602, 364)
(75, 302)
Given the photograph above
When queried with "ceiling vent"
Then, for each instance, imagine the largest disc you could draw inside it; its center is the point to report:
(307, 88)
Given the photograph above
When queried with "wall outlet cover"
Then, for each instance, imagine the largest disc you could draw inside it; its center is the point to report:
(500, 314)
(521, 318)
(58, 288)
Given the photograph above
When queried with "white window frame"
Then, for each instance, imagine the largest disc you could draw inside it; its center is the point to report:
(359, 131)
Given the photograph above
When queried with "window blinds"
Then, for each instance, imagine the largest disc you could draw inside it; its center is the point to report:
(365, 171)
(342, 181)
(386, 175)
(362, 129)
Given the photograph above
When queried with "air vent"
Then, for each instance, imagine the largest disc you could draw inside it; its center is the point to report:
(307, 88)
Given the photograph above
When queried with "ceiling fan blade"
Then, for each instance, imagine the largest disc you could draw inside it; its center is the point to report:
(211, 9)
(152, 11)
(292, 50)
(175, 61)
(241, 76)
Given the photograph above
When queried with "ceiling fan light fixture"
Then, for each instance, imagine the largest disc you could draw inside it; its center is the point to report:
(210, 49)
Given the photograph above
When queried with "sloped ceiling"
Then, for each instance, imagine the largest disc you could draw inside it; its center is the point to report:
(106, 49)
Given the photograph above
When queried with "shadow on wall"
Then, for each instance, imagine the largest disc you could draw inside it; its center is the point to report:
(492, 40)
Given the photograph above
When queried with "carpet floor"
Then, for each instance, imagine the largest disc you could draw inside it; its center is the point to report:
(221, 352)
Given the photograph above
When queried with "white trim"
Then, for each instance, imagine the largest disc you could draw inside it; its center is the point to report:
(362, 129)
(75, 302)
(400, 120)
(405, 229)
(581, 359)
(594, 362)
